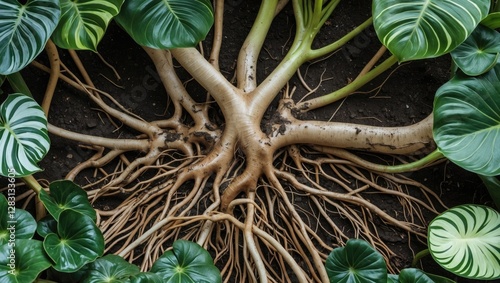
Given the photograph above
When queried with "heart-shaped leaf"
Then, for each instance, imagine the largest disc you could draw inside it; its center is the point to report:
(467, 121)
(23, 135)
(64, 194)
(187, 262)
(15, 223)
(112, 269)
(413, 275)
(418, 29)
(479, 52)
(465, 240)
(356, 262)
(79, 241)
(24, 31)
(166, 24)
(83, 23)
(22, 262)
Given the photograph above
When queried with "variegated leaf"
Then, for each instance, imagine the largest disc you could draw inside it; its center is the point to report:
(24, 138)
(166, 24)
(417, 29)
(24, 31)
(83, 23)
(466, 241)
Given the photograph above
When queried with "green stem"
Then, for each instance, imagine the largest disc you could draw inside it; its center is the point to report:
(412, 166)
(419, 256)
(247, 58)
(323, 51)
(18, 84)
(32, 183)
(348, 89)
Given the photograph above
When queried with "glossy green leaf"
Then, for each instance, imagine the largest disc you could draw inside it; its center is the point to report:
(392, 278)
(492, 20)
(439, 279)
(46, 225)
(146, 277)
(418, 29)
(83, 23)
(465, 240)
(22, 263)
(78, 242)
(356, 262)
(15, 223)
(64, 194)
(492, 184)
(24, 31)
(166, 24)
(413, 275)
(479, 52)
(186, 262)
(112, 269)
(467, 121)
(23, 135)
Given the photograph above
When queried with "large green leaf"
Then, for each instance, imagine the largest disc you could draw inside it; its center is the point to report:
(24, 30)
(466, 241)
(79, 242)
(83, 23)
(64, 194)
(188, 262)
(111, 269)
(28, 260)
(356, 262)
(24, 138)
(417, 29)
(15, 223)
(479, 52)
(166, 24)
(467, 121)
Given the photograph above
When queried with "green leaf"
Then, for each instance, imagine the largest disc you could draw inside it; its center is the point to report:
(15, 223)
(112, 269)
(392, 278)
(24, 31)
(413, 275)
(83, 23)
(465, 240)
(79, 242)
(357, 262)
(187, 262)
(166, 24)
(27, 259)
(492, 184)
(439, 279)
(492, 20)
(64, 194)
(146, 277)
(46, 225)
(23, 135)
(418, 29)
(467, 121)
(479, 52)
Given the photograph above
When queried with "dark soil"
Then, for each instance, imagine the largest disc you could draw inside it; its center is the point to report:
(395, 99)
